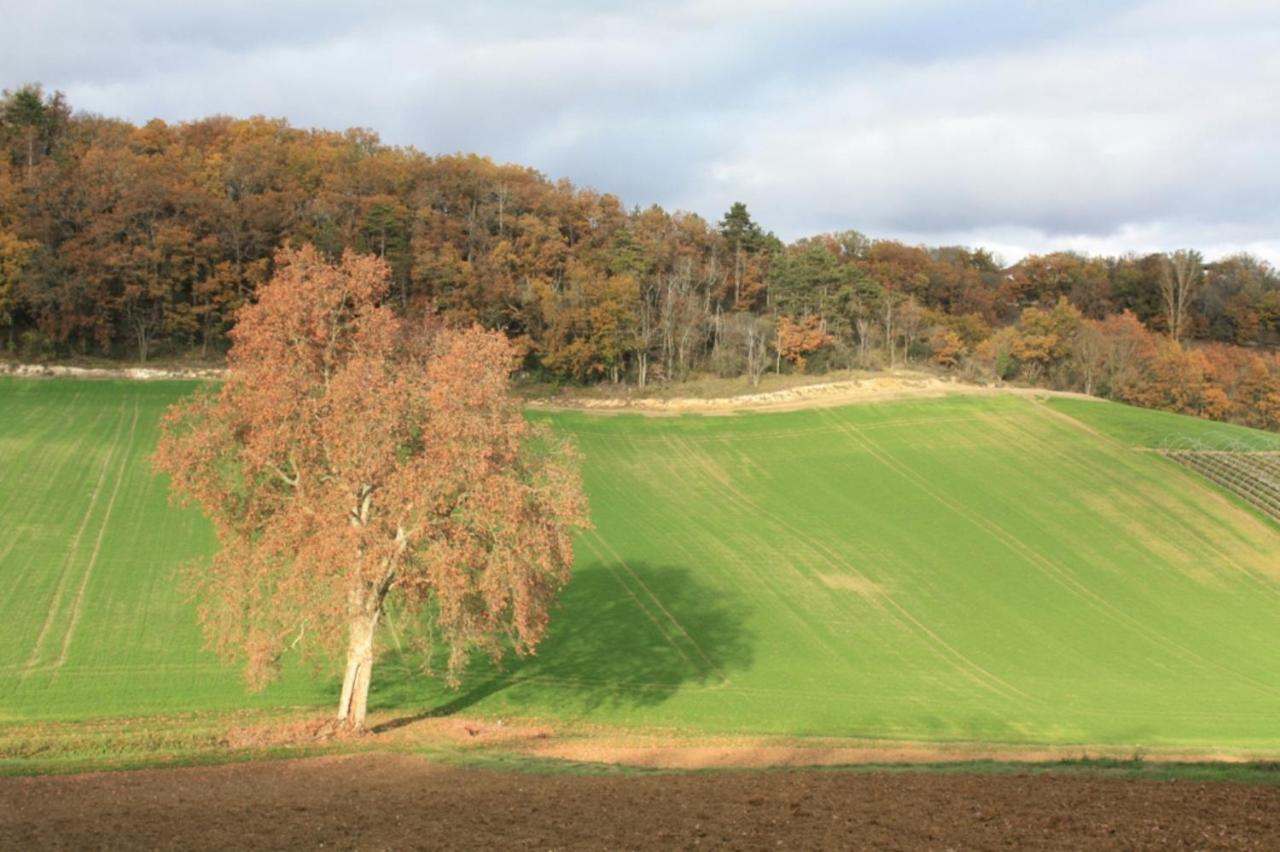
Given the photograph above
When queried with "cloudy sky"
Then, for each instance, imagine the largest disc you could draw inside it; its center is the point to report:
(1020, 126)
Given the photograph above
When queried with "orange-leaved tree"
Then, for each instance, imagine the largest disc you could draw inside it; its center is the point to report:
(799, 337)
(353, 460)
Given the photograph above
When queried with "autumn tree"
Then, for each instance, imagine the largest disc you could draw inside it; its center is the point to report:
(118, 239)
(746, 244)
(1240, 300)
(799, 337)
(352, 460)
(592, 327)
(900, 272)
(13, 259)
(15, 254)
(1045, 338)
(962, 280)
(948, 347)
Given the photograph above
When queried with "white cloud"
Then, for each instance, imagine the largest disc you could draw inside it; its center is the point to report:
(1011, 123)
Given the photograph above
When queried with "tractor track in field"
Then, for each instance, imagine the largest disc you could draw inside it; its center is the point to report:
(77, 605)
(1261, 580)
(772, 545)
(35, 459)
(55, 603)
(595, 543)
(688, 452)
(948, 652)
(1053, 570)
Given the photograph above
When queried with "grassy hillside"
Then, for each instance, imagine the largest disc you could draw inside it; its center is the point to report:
(1141, 427)
(957, 569)
(93, 620)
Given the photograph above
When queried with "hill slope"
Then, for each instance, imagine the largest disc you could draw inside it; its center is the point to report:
(964, 568)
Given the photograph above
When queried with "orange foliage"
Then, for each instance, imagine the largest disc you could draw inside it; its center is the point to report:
(797, 338)
(132, 241)
(352, 457)
(948, 348)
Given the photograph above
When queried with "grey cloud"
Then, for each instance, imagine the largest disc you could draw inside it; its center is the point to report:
(1030, 125)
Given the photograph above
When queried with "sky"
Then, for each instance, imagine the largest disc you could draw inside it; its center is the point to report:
(1015, 125)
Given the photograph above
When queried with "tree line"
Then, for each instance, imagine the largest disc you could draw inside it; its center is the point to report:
(135, 242)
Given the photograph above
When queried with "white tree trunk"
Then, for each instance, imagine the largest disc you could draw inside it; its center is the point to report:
(353, 706)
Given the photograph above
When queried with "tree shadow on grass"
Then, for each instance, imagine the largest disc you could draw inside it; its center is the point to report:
(624, 636)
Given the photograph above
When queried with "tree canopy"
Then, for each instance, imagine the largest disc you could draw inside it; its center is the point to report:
(354, 460)
(144, 241)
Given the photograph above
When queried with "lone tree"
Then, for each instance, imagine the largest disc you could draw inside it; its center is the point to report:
(353, 460)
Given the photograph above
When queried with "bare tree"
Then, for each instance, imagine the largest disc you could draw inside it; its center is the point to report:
(647, 329)
(755, 335)
(1180, 276)
(889, 303)
(911, 322)
(1090, 351)
(683, 315)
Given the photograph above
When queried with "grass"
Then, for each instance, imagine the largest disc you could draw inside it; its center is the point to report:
(189, 739)
(1140, 427)
(967, 569)
(93, 619)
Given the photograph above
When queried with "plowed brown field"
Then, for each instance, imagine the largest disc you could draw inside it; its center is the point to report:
(384, 801)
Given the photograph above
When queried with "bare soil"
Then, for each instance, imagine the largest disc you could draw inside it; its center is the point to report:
(871, 387)
(658, 749)
(376, 801)
(877, 388)
(139, 373)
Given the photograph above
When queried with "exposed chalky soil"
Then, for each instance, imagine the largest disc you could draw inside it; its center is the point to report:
(382, 801)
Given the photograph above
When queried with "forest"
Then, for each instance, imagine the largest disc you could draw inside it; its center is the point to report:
(142, 242)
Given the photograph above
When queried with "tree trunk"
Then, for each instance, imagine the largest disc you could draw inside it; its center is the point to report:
(888, 332)
(353, 706)
(737, 281)
(142, 342)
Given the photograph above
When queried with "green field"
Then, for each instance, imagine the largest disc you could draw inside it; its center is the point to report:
(961, 569)
(1140, 427)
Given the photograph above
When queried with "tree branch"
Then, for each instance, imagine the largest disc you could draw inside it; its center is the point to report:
(291, 481)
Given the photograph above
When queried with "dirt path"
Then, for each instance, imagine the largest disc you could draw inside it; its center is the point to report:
(901, 385)
(48, 371)
(376, 801)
